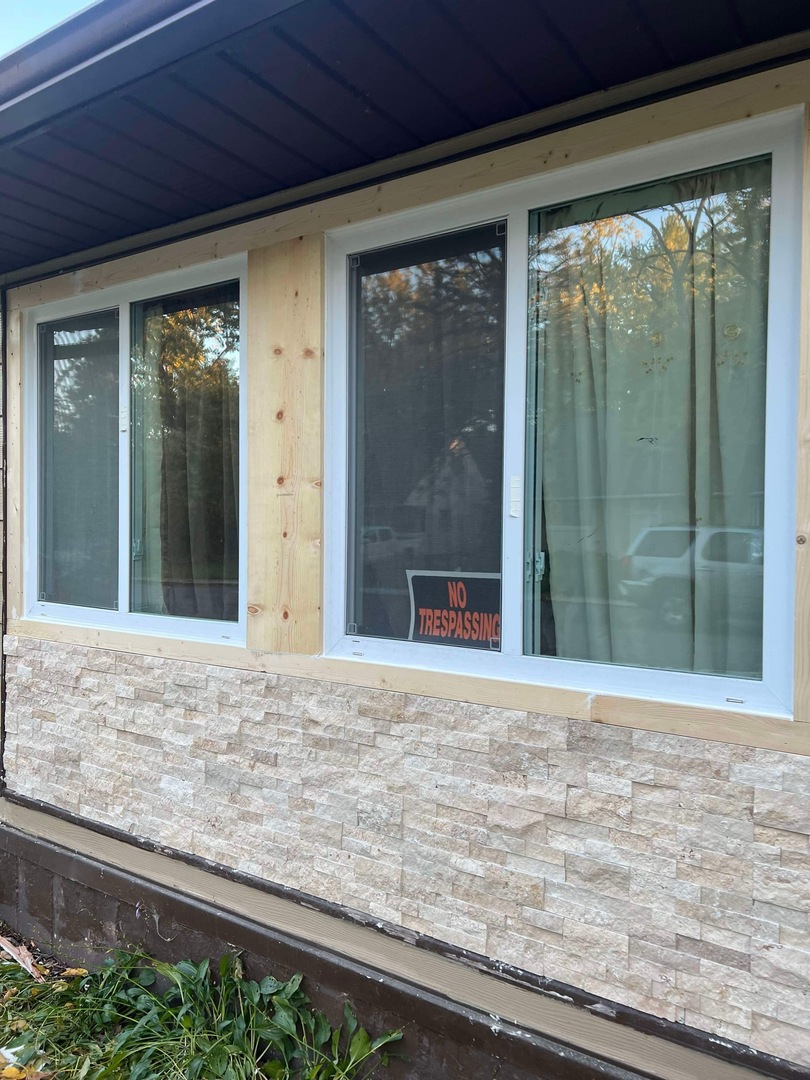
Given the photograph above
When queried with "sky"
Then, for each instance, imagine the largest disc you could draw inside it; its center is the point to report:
(21, 20)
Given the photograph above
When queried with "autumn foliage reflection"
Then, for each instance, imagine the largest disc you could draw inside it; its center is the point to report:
(186, 454)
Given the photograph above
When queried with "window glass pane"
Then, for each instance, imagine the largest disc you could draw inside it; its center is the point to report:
(648, 319)
(78, 468)
(428, 445)
(185, 454)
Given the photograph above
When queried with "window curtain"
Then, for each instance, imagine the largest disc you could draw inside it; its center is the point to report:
(186, 460)
(648, 334)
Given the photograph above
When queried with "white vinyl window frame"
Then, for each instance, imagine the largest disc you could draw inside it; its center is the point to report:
(778, 135)
(123, 298)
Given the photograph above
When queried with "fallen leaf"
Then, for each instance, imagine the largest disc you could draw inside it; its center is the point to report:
(23, 957)
(71, 973)
(12, 1072)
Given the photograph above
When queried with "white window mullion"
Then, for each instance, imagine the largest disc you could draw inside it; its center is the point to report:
(514, 510)
(784, 301)
(124, 443)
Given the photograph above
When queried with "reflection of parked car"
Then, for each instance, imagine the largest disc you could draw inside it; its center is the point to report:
(658, 568)
(379, 542)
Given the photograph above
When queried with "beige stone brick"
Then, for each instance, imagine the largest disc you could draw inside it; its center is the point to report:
(603, 878)
(796, 860)
(607, 811)
(796, 776)
(781, 964)
(667, 959)
(760, 776)
(783, 887)
(782, 810)
(774, 1037)
(583, 939)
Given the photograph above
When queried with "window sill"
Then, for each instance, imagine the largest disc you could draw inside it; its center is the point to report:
(151, 626)
(761, 729)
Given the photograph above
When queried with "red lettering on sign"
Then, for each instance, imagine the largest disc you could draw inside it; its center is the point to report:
(457, 592)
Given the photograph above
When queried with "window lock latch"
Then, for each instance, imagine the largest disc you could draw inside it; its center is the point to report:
(535, 565)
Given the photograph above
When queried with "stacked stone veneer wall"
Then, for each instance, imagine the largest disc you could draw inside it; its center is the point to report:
(668, 873)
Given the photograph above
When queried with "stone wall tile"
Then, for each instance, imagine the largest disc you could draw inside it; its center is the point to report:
(782, 810)
(771, 1034)
(781, 964)
(664, 872)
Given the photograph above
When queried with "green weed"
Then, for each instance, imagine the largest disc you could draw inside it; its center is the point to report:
(141, 1019)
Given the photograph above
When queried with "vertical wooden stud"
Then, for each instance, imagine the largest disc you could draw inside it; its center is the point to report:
(285, 445)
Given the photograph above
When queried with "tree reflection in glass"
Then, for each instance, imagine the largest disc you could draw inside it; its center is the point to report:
(428, 410)
(185, 460)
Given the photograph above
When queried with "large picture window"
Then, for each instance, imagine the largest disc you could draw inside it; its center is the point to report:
(647, 360)
(138, 446)
(575, 424)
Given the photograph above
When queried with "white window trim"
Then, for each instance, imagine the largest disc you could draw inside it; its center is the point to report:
(779, 135)
(122, 297)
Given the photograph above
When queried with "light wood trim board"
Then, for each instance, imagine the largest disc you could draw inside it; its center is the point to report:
(285, 455)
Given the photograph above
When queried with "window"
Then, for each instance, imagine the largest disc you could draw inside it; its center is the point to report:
(136, 515)
(428, 431)
(569, 409)
(647, 365)
(78, 380)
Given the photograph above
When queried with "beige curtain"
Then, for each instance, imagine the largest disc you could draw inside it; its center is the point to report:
(649, 339)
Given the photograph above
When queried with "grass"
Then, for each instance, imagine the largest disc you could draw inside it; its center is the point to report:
(137, 1018)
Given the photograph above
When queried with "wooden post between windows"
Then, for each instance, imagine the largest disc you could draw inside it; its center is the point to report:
(285, 412)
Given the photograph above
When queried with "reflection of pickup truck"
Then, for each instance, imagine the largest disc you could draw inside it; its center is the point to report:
(379, 542)
(658, 568)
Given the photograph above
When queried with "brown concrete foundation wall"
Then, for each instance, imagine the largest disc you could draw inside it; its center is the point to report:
(666, 873)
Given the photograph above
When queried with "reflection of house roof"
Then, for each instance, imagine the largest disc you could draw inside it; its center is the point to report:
(158, 118)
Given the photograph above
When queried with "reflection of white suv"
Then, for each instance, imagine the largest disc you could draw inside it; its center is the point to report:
(657, 569)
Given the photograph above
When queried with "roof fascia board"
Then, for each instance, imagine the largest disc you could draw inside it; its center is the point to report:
(79, 37)
(182, 33)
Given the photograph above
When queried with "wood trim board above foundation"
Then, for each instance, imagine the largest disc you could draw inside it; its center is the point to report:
(730, 726)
